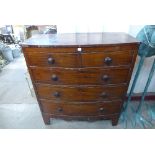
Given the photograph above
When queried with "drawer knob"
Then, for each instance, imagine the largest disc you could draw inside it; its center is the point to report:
(51, 60)
(102, 110)
(104, 95)
(105, 78)
(54, 77)
(108, 60)
(59, 109)
(56, 94)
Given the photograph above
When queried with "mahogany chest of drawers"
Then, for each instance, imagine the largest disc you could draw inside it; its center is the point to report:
(82, 76)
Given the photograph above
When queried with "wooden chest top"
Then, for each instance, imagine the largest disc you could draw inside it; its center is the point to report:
(80, 39)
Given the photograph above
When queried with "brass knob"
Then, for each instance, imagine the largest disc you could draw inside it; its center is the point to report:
(59, 109)
(105, 78)
(108, 60)
(104, 95)
(51, 60)
(56, 94)
(54, 77)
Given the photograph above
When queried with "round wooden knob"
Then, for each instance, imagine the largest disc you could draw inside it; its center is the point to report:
(59, 109)
(108, 60)
(51, 60)
(105, 77)
(104, 95)
(102, 109)
(54, 77)
(56, 94)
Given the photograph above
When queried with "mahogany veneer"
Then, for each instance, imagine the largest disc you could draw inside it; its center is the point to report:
(82, 76)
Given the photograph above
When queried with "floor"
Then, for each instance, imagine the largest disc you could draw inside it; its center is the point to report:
(19, 109)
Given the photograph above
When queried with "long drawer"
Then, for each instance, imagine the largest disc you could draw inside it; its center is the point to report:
(61, 108)
(74, 60)
(80, 93)
(83, 76)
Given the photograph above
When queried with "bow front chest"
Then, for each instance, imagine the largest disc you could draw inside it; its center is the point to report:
(81, 76)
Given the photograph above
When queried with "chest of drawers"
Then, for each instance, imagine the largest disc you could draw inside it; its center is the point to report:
(82, 76)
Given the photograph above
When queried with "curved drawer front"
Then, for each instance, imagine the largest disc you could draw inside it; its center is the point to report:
(81, 93)
(61, 108)
(87, 76)
(88, 57)
(107, 59)
(43, 59)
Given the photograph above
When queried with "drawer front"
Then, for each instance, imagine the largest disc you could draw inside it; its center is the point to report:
(53, 59)
(81, 93)
(80, 76)
(50, 50)
(106, 59)
(61, 108)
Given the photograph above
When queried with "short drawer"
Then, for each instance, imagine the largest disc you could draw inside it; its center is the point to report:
(81, 93)
(45, 59)
(85, 76)
(61, 108)
(107, 59)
